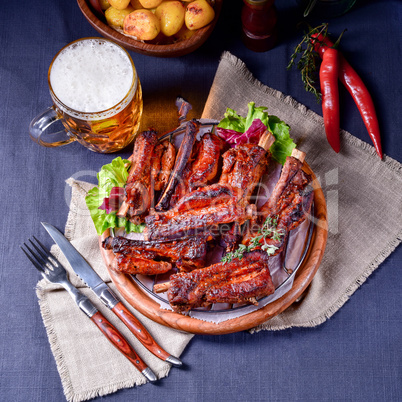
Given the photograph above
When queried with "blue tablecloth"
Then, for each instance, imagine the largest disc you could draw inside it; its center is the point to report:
(356, 355)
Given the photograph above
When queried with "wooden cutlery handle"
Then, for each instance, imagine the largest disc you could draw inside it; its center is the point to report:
(118, 341)
(135, 326)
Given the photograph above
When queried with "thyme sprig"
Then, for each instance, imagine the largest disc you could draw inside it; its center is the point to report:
(267, 231)
(308, 61)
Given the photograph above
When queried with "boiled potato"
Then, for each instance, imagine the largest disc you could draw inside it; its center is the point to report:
(115, 17)
(119, 4)
(150, 3)
(171, 16)
(198, 14)
(142, 24)
(104, 4)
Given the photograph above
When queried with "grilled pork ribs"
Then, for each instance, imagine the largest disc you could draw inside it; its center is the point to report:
(206, 194)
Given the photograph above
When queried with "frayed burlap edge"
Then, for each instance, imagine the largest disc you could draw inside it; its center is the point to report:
(53, 341)
(70, 225)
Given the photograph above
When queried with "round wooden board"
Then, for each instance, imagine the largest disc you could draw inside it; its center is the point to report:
(305, 274)
(171, 50)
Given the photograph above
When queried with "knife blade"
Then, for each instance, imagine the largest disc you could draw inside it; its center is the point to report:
(106, 295)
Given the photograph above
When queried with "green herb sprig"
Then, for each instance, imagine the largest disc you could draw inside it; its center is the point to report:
(267, 231)
(308, 61)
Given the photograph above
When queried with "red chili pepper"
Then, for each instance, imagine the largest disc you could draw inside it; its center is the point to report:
(330, 96)
(354, 84)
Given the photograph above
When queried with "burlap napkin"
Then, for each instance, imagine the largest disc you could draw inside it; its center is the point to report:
(364, 194)
(88, 364)
(364, 197)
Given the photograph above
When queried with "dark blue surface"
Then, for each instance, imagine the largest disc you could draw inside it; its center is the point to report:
(354, 356)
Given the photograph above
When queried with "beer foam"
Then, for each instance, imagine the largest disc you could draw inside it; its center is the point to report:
(91, 75)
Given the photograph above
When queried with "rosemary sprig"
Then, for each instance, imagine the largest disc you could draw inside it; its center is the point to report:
(267, 231)
(307, 63)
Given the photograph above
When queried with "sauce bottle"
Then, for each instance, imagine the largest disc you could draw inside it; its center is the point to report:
(259, 19)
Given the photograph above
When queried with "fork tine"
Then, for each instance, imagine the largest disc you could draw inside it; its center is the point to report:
(33, 260)
(45, 257)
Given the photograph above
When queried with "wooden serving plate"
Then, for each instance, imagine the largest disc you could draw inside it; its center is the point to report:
(171, 50)
(141, 301)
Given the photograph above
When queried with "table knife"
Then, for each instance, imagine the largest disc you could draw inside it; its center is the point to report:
(106, 295)
(53, 271)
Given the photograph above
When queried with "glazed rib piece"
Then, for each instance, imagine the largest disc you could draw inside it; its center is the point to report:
(292, 178)
(183, 107)
(243, 167)
(286, 220)
(239, 281)
(201, 168)
(138, 188)
(139, 263)
(214, 194)
(174, 224)
(288, 205)
(162, 164)
(186, 254)
(183, 155)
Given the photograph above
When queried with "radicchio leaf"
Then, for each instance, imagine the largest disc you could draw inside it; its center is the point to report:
(252, 135)
(114, 201)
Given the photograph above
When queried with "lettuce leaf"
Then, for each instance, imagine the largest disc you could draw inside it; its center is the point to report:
(256, 113)
(233, 121)
(111, 175)
(283, 145)
(236, 129)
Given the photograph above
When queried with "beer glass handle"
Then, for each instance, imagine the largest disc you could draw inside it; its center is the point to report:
(38, 130)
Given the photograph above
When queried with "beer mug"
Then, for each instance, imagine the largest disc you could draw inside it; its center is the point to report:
(96, 96)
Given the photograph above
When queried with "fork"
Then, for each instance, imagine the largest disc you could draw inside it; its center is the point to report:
(51, 269)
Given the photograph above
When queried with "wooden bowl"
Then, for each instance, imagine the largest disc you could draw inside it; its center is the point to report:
(142, 301)
(171, 50)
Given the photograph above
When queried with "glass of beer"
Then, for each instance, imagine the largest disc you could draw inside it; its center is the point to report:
(96, 96)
